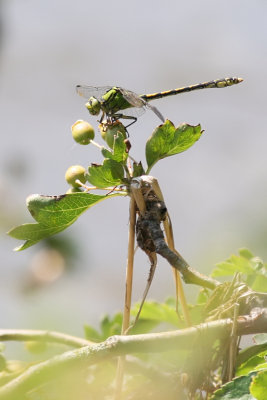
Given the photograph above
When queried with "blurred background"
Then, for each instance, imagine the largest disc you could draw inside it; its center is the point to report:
(215, 192)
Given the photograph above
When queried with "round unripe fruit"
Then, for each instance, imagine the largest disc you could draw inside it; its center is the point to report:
(75, 172)
(109, 130)
(82, 132)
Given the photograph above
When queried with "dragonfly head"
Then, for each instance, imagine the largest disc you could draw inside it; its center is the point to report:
(93, 106)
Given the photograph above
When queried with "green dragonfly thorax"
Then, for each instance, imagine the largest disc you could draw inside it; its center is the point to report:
(111, 102)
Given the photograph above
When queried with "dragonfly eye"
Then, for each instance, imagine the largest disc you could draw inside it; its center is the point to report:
(93, 106)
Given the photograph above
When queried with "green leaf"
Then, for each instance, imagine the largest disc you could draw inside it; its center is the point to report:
(154, 313)
(53, 214)
(237, 389)
(111, 173)
(252, 364)
(138, 169)
(91, 333)
(111, 326)
(196, 313)
(166, 140)
(260, 338)
(258, 386)
(232, 265)
(223, 269)
(108, 327)
(157, 312)
(249, 352)
(143, 326)
(119, 152)
(259, 284)
(246, 253)
(253, 268)
(203, 296)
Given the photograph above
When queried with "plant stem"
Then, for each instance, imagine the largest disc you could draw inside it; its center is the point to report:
(41, 373)
(128, 293)
(130, 265)
(25, 335)
(99, 146)
(178, 283)
(233, 344)
(189, 274)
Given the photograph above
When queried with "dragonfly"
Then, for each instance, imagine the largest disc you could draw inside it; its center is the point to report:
(112, 101)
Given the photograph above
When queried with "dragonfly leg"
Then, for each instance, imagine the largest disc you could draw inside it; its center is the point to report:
(122, 116)
(102, 117)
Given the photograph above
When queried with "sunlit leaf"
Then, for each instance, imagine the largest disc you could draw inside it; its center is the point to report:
(258, 387)
(166, 140)
(238, 389)
(252, 364)
(246, 253)
(92, 334)
(157, 312)
(110, 173)
(53, 214)
(109, 326)
(259, 284)
(119, 153)
(138, 169)
(232, 265)
(251, 351)
(260, 338)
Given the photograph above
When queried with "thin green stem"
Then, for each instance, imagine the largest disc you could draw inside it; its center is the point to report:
(25, 335)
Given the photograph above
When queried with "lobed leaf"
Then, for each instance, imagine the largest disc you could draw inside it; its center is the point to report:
(119, 152)
(237, 389)
(109, 326)
(110, 173)
(258, 385)
(53, 214)
(252, 364)
(157, 312)
(260, 338)
(166, 140)
(138, 169)
(253, 267)
(232, 265)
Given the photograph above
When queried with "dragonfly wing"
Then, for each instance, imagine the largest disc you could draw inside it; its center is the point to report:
(156, 111)
(137, 101)
(134, 111)
(92, 91)
(134, 99)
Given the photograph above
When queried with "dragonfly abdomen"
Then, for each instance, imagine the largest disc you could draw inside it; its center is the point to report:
(219, 83)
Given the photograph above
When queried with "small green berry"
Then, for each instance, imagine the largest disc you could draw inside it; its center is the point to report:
(75, 172)
(82, 132)
(109, 130)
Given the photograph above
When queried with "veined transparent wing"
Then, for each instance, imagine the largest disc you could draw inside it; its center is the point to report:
(136, 101)
(92, 91)
(156, 111)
